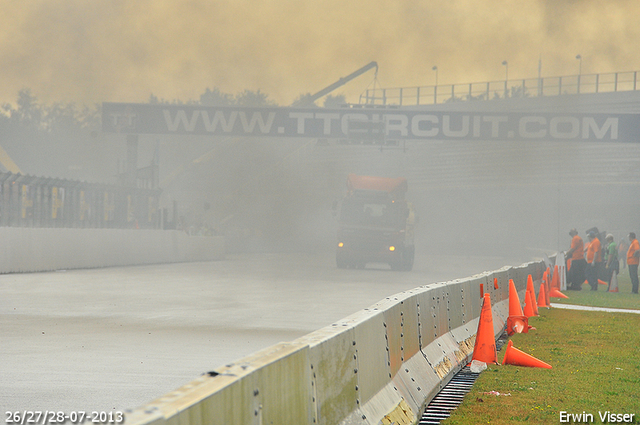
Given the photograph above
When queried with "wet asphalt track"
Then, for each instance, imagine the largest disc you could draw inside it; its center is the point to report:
(116, 338)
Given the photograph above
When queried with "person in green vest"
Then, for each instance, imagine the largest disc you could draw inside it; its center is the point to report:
(612, 266)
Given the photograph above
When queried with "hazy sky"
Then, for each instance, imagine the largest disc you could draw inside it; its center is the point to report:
(115, 50)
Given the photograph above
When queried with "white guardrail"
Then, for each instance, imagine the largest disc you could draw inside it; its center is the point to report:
(381, 365)
(26, 249)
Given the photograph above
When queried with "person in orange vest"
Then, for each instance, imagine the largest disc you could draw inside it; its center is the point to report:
(623, 246)
(576, 255)
(633, 258)
(593, 251)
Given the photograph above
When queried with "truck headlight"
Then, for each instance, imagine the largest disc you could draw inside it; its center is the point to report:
(392, 248)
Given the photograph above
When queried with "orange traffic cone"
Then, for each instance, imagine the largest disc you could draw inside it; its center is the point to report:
(555, 280)
(542, 297)
(532, 295)
(515, 357)
(528, 308)
(547, 283)
(547, 289)
(495, 283)
(517, 325)
(555, 293)
(602, 282)
(515, 309)
(614, 283)
(517, 322)
(484, 349)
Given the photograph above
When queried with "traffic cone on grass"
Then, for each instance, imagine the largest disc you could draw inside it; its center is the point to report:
(515, 357)
(517, 322)
(542, 297)
(547, 287)
(484, 350)
(549, 275)
(515, 308)
(555, 293)
(528, 307)
(555, 279)
(532, 296)
(614, 283)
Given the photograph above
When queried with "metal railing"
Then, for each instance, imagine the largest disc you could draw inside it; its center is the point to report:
(30, 201)
(505, 89)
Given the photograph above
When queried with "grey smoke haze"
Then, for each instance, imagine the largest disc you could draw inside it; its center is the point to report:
(116, 50)
(482, 198)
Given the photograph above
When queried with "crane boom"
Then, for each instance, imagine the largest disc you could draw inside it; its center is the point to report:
(342, 81)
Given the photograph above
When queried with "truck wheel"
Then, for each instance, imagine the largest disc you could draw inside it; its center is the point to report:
(398, 263)
(407, 259)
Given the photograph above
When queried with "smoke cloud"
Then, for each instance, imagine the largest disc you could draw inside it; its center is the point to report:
(116, 50)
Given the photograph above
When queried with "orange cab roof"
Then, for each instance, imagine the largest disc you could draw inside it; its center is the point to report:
(387, 184)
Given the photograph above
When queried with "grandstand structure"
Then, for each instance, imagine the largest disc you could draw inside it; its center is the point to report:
(612, 82)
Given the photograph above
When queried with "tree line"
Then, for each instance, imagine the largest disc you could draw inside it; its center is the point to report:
(30, 115)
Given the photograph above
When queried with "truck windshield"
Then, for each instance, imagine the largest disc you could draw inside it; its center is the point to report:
(365, 212)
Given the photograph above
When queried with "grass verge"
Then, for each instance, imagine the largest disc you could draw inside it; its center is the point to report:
(596, 368)
(600, 298)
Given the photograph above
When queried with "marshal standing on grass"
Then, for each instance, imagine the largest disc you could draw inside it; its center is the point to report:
(575, 256)
(612, 266)
(633, 258)
(593, 253)
(623, 246)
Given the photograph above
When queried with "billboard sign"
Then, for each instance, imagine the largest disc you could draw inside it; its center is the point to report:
(374, 123)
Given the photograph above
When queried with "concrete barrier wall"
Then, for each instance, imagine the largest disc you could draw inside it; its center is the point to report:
(45, 249)
(381, 365)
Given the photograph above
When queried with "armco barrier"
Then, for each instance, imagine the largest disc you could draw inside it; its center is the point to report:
(45, 249)
(381, 365)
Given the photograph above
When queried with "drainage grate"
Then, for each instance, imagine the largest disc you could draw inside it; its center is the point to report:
(450, 397)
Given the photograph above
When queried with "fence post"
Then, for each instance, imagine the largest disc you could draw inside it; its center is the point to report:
(559, 86)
